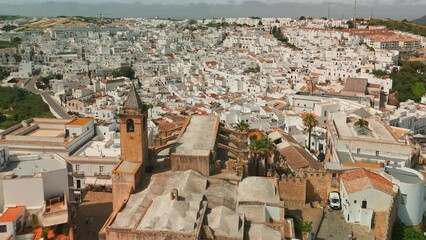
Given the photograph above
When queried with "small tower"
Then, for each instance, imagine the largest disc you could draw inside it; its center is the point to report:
(127, 174)
(134, 129)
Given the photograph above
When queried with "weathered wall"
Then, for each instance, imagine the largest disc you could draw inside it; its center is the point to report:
(185, 162)
(134, 145)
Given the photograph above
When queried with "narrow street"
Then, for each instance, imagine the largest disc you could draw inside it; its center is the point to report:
(31, 86)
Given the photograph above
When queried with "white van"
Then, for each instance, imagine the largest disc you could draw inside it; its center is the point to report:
(334, 200)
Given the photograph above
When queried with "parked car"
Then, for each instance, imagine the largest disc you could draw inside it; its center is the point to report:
(334, 200)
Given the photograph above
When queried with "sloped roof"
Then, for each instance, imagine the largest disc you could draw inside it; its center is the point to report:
(361, 112)
(225, 222)
(258, 189)
(361, 180)
(133, 100)
(296, 156)
(355, 85)
(263, 232)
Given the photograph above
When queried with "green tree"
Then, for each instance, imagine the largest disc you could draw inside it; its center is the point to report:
(361, 123)
(8, 28)
(350, 24)
(124, 72)
(262, 150)
(192, 21)
(302, 18)
(310, 121)
(402, 232)
(243, 126)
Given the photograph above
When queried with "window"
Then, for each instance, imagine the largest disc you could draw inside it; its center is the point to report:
(77, 168)
(377, 153)
(130, 125)
(101, 169)
(325, 113)
(3, 228)
(358, 150)
(404, 199)
(364, 204)
(354, 201)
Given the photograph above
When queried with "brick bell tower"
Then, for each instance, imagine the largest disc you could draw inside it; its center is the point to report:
(134, 129)
(127, 174)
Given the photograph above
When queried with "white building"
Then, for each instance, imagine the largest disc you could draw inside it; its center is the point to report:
(37, 182)
(363, 193)
(411, 198)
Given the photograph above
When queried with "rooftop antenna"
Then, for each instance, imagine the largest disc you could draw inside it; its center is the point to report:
(355, 11)
(371, 15)
(329, 4)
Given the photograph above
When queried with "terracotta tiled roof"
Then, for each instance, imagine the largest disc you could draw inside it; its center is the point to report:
(79, 122)
(11, 214)
(361, 179)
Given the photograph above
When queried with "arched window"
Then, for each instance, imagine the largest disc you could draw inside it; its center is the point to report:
(130, 125)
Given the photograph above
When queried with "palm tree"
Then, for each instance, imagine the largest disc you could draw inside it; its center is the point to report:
(262, 150)
(310, 122)
(242, 126)
(361, 123)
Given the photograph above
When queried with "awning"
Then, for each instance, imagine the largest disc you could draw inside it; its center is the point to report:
(101, 182)
(90, 181)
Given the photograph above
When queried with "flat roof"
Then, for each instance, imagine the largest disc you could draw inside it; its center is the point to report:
(127, 167)
(79, 122)
(100, 149)
(199, 137)
(11, 214)
(404, 176)
(45, 163)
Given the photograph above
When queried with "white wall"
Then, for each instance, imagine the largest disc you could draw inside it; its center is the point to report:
(55, 183)
(24, 191)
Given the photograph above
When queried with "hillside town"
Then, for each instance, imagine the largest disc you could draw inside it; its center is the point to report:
(227, 128)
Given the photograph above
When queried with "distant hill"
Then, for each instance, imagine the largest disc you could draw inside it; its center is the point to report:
(421, 20)
(403, 25)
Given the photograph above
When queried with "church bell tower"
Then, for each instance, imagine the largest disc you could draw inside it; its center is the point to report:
(133, 129)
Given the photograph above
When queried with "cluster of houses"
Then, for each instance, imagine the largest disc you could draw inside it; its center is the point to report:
(369, 151)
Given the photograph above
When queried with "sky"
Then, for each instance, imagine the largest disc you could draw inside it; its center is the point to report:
(398, 9)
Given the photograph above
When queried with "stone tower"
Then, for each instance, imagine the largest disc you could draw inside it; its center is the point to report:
(127, 174)
(134, 129)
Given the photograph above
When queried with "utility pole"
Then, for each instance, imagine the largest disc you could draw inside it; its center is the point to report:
(329, 4)
(355, 11)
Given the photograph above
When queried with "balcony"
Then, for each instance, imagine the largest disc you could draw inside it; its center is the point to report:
(105, 175)
(56, 212)
(78, 174)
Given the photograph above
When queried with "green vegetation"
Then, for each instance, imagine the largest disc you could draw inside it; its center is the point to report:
(124, 72)
(17, 104)
(404, 26)
(218, 24)
(252, 69)
(410, 81)
(9, 17)
(8, 28)
(310, 121)
(8, 44)
(350, 24)
(278, 34)
(262, 150)
(243, 126)
(3, 73)
(402, 232)
(421, 21)
(379, 73)
(192, 21)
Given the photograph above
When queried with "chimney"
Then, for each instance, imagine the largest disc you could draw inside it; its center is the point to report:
(174, 195)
